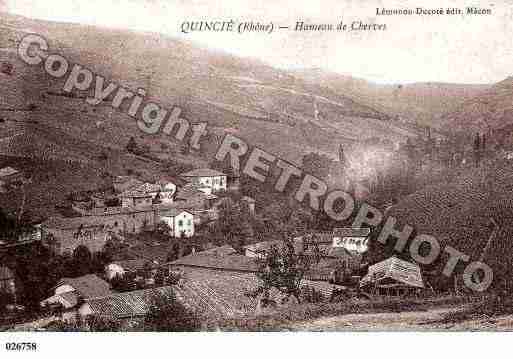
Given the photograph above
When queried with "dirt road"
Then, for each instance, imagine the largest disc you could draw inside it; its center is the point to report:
(429, 320)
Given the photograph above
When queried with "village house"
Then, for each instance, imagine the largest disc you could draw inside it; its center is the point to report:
(148, 193)
(120, 268)
(93, 231)
(69, 292)
(123, 307)
(63, 235)
(136, 198)
(180, 222)
(209, 180)
(393, 276)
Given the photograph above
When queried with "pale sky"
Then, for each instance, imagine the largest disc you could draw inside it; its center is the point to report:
(462, 49)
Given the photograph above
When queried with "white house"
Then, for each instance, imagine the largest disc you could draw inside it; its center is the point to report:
(206, 177)
(180, 222)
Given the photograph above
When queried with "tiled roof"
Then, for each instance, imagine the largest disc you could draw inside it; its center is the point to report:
(203, 172)
(172, 212)
(193, 190)
(144, 190)
(126, 305)
(71, 298)
(231, 262)
(220, 251)
(132, 265)
(351, 232)
(88, 286)
(74, 222)
(395, 269)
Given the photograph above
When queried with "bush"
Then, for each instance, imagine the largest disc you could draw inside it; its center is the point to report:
(167, 313)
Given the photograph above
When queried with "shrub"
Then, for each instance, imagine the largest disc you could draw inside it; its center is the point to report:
(167, 313)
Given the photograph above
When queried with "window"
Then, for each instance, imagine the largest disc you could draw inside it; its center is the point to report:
(189, 222)
(115, 224)
(180, 223)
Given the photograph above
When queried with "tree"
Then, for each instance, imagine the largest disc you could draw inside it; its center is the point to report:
(163, 229)
(123, 283)
(5, 299)
(131, 145)
(97, 323)
(14, 227)
(283, 268)
(82, 260)
(167, 313)
(232, 227)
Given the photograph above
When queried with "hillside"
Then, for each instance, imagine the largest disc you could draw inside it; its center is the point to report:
(459, 213)
(247, 97)
(424, 103)
(492, 110)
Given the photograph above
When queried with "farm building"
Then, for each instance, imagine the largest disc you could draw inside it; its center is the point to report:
(219, 258)
(180, 222)
(258, 249)
(63, 235)
(207, 178)
(127, 266)
(70, 291)
(393, 276)
(101, 224)
(125, 306)
(137, 197)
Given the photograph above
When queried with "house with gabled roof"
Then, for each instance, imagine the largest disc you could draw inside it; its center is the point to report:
(207, 178)
(393, 276)
(147, 194)
(180, 222)
(70, 292)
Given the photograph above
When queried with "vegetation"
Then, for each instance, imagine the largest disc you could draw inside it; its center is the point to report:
(13, 228)
(167, 313)
(283, 267)
(232, 227)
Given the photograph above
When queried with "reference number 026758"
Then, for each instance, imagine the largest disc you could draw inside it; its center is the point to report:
(21, 346)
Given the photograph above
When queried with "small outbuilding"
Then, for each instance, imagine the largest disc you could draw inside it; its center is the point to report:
(394, 277)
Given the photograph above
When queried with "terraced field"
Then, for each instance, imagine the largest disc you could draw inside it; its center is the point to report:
(459, 214)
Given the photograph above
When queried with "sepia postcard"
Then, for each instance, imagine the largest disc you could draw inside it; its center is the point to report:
(242, 166)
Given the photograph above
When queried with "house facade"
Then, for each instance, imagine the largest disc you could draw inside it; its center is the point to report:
(181, 223)
(207, 178)
(63, 235)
